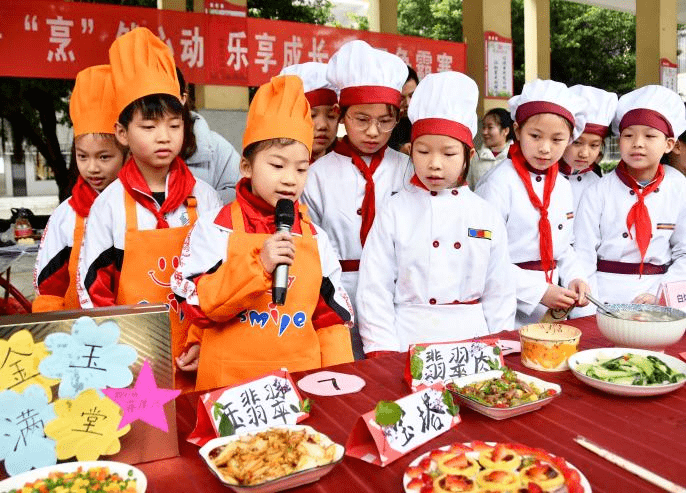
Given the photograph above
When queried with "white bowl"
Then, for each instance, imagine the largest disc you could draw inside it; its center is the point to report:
(640, 334)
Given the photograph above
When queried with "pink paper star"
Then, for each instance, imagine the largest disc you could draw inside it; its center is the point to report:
(145, 401)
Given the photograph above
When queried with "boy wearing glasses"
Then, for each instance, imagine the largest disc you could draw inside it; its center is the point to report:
(347, 185)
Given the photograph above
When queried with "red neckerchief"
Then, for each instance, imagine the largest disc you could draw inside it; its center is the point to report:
(258, 215)
(418, 183)
(545, 236)
(567, 170)
(638, 215)
(82, 197)
(344, 148)
(180, 187)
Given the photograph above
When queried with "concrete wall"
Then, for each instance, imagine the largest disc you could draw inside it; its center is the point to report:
(228, 123)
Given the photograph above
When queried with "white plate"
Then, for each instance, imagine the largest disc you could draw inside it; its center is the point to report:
(589, 356)
(503, 412)
(474, 455)
(292, 480)
(18, 481)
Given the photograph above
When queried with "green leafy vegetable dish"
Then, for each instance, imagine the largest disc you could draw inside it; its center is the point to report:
(631, 369)
(503, 392)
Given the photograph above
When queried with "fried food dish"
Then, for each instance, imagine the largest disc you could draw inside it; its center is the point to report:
(271, 454)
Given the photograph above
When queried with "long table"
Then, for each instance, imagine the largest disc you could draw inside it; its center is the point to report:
(650, 431)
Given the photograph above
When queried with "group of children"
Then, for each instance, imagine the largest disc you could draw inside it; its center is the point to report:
(402, 243)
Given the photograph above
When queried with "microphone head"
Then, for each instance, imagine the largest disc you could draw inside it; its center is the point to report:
(284, 213)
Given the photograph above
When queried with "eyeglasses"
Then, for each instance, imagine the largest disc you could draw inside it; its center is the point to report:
(362, 122)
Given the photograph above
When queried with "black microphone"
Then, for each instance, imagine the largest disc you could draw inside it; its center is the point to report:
(284, 216)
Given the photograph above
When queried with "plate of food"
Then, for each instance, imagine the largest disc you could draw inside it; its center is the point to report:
(82, 476)
(272, 459)
(628, 371)
(488, 466)
(501, 394)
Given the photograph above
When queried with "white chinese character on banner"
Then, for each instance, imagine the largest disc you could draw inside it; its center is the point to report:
(318, 54)
(445, 62)
(87, 25)
(265, 51)
(163, 37)
(60, 35)
(193, 47)
(236, 51)
(123, 28)
(422, 63)
(31, 22)
(403, 55)
(292, 50)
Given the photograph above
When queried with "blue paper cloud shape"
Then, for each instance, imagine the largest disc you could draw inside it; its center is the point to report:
(88, 358)
(23, 444)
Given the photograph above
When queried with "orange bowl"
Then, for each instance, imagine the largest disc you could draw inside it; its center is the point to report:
(546, 347)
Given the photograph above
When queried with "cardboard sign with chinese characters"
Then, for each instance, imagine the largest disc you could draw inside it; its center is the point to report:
(393, 429)
(269, 400)
(55, 369)
(435, 363)
(673, 294)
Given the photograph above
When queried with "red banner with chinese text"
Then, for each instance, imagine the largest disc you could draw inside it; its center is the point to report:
(55, 39)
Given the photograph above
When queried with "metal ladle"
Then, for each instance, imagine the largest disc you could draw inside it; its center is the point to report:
(603, 307)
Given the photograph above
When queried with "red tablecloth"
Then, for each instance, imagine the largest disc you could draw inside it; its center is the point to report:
(649, 431)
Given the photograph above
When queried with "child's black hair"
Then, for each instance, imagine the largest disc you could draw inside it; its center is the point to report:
(411, 75)
(190, 144)
(504, 120)
(152, 107)
(252, 149)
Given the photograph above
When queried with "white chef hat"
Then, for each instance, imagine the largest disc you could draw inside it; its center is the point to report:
(653, 106)
(318, 90)
(445, 104)
(365, 75)
(600, 110)
(549, 96)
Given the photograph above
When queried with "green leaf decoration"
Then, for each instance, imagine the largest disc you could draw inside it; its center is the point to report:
(305, 406)
(225, 426)
(496, 350)
(416, 367)
(387, 413)
(493, 364)
(453, 408)
(419, 349)
(216, 410)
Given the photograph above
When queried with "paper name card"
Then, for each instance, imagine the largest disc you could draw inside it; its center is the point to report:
(436, 363)
(673, 294)
(269, 400)
(393, 429)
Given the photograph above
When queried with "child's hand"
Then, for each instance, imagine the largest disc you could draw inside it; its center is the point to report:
(580, 288)
(558, 298)
(645, 299)
(277, 249)
(188, 361)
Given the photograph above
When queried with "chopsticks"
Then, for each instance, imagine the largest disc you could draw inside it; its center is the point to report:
(633, 468)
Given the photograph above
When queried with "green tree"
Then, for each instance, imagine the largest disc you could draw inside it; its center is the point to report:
(308, 11)
(589, 45)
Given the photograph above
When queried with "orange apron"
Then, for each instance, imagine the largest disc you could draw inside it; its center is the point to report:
(150, 258)
(266, 337)
(71, 297)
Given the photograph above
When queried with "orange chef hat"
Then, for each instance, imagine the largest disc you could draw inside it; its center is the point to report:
(91, 106)
(141, 65)
(280, 110)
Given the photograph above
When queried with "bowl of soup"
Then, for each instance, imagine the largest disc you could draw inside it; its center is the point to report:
(642, 326)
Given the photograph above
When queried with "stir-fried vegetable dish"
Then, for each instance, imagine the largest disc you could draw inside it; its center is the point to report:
(631, 369)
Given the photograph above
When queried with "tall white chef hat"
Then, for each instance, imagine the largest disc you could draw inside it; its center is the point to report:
(445, 104)
(653, 106)
(600, 110)
(365, 75)
(318, 90)
(549, 96)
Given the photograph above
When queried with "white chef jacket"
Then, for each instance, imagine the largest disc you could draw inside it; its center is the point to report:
(580, 182)
(420, 258)
(601, 233)
(503, 188)
(334, 193)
